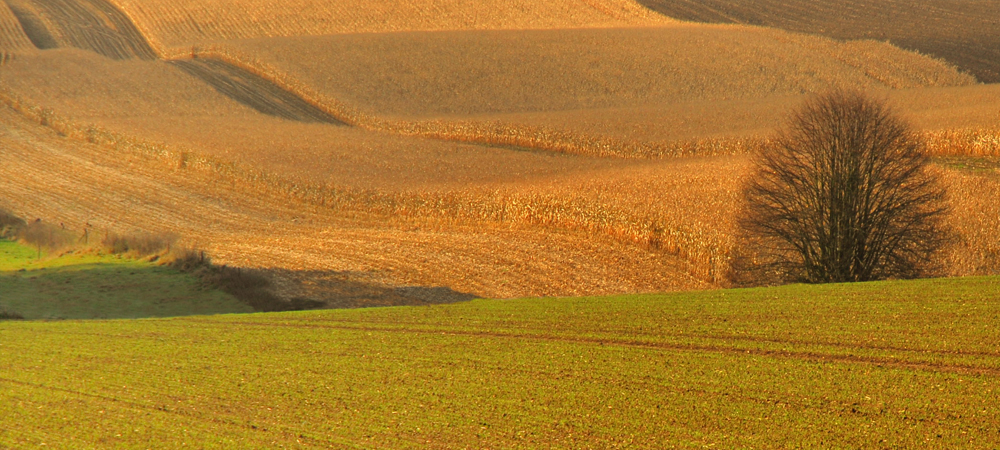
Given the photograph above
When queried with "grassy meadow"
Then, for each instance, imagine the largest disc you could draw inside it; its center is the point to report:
(92, 285)
(902, 364)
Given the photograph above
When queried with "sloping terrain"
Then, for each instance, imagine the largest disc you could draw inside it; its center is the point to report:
(259, 124)
(480, 72)
(94, 25)
(176, 25)
(253, 91)
(12, 37)
(965, 33)
(910, 364)
(87, 284)
(348, 257)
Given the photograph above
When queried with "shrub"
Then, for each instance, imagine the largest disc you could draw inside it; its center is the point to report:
(9, 315)
(142, 244)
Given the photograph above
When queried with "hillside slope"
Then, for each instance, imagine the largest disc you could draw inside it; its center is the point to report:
(909, 364)
(965, 33)
(479, 72)
(340, 253)
(177, 24)
(12, 37)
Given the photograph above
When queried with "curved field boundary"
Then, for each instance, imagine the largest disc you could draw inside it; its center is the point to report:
(179, 24)
(966, 34)
(93, 25)
(254, 91)
(12, 37)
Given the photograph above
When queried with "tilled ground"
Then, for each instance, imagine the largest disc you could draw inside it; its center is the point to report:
(347, 259)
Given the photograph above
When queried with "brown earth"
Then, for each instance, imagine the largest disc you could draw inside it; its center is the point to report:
(964, 33)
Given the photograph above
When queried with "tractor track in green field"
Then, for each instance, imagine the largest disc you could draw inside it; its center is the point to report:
(722, 349)
(214, 418)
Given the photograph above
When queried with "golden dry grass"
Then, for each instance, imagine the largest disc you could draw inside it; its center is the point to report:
(176, 24)
(966, 33)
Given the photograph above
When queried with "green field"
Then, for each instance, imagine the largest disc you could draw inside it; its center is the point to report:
(878, 365)
(88, 285)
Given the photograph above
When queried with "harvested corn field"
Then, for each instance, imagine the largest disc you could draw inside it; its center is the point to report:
(368, 256)
(253, 91)
(175, 25)
(568, 132)
(486, 72)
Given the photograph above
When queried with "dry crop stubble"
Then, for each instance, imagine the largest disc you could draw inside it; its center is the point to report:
(426, 84)
(155, 102)
(463, 73)
(45, 175)
(94, 25)
(173, 26)
(396, 176)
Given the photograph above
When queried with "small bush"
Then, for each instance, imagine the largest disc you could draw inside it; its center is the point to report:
(141, 244)
(10, 225)
(248, 286)
(46, 236)
(10, 315)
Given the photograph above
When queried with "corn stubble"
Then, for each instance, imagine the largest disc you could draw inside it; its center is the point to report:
(568, 225)
(175, 24)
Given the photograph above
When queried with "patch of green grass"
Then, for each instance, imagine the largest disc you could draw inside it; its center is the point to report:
(981, 165)
(90, 285)
(912, 364)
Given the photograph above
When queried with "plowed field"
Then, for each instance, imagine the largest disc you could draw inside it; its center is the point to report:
(965, 33)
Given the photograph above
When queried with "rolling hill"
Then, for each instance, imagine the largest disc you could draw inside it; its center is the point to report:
(894, 364)
(965, 33)
(544, 160)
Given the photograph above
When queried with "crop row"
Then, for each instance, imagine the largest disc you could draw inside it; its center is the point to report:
(908, 364)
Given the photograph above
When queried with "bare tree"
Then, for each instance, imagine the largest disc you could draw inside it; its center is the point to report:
(844, 194)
